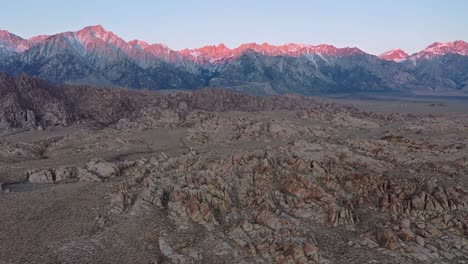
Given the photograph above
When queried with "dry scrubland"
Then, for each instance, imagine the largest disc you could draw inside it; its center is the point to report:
(174, 179)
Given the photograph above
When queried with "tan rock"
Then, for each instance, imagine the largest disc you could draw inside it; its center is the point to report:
(431, 247)
(385, 237)
(407, 235)
(178, 195)
(86, 176)
(417, 203)
(118, 200)
(42, 176)
(442, 199)
(297, 253)
(64, 174)
(102, 168)
(311, 252)
(119, 197)
(420, 241)
(433, 231)
(421, 225)
(405, 223)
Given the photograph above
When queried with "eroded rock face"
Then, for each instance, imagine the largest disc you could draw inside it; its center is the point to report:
(27, 102)
(251, 206)
(270, 202)
(86, 176)
(386, 238)
(95, 171)
(287, 186)
(43, 176)
(102, 169)
(267, 200)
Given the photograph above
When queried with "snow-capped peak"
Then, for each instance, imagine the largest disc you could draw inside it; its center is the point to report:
(221, 52)
(138, 44)
(438, 49)
(394, 55)
(95, 32)
(12, 43)
(97, 29)
(98, 41)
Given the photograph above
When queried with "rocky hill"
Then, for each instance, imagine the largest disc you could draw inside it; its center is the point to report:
(34, 103)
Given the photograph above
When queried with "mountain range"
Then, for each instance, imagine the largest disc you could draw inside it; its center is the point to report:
(99, 57)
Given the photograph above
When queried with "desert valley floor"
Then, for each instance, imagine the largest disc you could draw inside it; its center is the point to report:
(326, 183)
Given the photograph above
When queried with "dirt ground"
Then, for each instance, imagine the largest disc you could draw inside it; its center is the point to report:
(389, 185)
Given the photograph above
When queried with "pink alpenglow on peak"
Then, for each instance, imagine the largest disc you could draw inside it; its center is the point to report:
(93, 34)
(396, 55)
(138, 44)
(436, 49)
(98, 42)
(38, 39)
(209, 53)
(97, 29)
(221, 52)
(12, 42)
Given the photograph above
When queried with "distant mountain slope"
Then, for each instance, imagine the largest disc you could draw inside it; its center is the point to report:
(438, 49)
(95, 56)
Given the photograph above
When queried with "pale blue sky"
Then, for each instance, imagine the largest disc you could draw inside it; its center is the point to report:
(372, 25)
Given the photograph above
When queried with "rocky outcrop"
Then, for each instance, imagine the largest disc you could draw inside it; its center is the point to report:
(267, 201)
(386, 238)
(269, 192)
(42, 176)
(300, 180)
(95, 171)
(27, 102)
(102, 169)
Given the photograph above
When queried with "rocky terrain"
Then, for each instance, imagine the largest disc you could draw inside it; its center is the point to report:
(102, 176)
(95, 56)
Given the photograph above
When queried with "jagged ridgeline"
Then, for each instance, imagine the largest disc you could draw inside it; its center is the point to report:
(95, 56)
